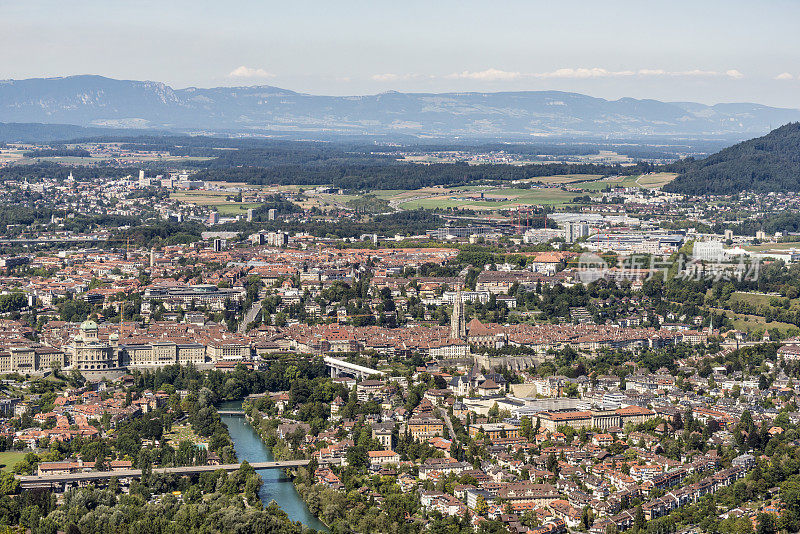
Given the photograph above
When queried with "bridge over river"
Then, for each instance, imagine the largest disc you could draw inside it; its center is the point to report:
(58, 480)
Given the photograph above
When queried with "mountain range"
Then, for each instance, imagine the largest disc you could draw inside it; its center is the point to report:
(96, 101)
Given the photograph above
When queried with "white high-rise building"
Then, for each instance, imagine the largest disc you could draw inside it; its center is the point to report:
(709, 251)
(574, 231)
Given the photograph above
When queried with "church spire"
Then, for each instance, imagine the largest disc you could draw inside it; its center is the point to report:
(458, 324)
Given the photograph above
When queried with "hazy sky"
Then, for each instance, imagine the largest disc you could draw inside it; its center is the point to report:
(706, 51)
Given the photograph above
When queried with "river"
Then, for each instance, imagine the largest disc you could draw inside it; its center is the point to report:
(277, 486)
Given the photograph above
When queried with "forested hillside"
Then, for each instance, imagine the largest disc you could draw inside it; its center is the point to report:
(764, 164)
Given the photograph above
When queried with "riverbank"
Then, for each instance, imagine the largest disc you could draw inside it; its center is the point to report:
(277, 486)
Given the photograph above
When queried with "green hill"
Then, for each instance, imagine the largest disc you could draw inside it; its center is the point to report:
(764, 164)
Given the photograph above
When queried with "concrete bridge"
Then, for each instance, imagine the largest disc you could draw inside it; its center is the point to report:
(231, 412)
(59, 480)
(340, 367)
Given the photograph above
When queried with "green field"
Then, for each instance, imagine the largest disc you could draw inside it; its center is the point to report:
(656, 179)
(216, 199)
(181, 433)
(597, 185)
(388, 194)
(563, 179)
(750, 298)
(235, 208)
(760, 301)
(9, 459)
(456, 197)
(763, 247)
(649, 181)
(621, 181)
(749, 323)
(515, 197)
(202, 198)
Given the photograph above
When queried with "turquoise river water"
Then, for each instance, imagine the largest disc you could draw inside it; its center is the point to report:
(277, 486)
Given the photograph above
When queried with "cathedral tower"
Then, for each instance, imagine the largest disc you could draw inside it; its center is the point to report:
(458, 325)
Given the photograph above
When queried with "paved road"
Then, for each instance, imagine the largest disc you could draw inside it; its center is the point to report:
(44, 480)
(443, 414)
(251, 313)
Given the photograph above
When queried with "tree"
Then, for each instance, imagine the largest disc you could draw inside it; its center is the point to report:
(571, 390)
(763, 383)
(586, 518)
(100, 463)
(639, 519)
(765, 524)
(480, 506)
(552, 463)
(790, 494)
(525, 427)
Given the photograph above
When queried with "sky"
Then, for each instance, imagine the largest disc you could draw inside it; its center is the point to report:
(702, 50)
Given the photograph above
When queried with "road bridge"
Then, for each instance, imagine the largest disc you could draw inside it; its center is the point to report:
(340, 367)
(61, 479)
(231, 412)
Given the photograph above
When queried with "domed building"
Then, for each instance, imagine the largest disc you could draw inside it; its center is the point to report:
(88, 353)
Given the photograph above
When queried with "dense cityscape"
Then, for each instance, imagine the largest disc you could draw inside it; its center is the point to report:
(399, 267)
(622, 356)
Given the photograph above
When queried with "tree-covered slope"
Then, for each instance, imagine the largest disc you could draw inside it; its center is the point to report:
(769, 163)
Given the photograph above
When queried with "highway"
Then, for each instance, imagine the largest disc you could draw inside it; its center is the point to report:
(36, 481)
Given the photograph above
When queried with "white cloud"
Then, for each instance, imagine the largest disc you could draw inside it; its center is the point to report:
(784, 76)
(694, 72)
(598, 72)
(486, 75)
(388, 77)
(249, 72)
(391, 77)
(652, 72)
(493, 74)
(595, 72)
